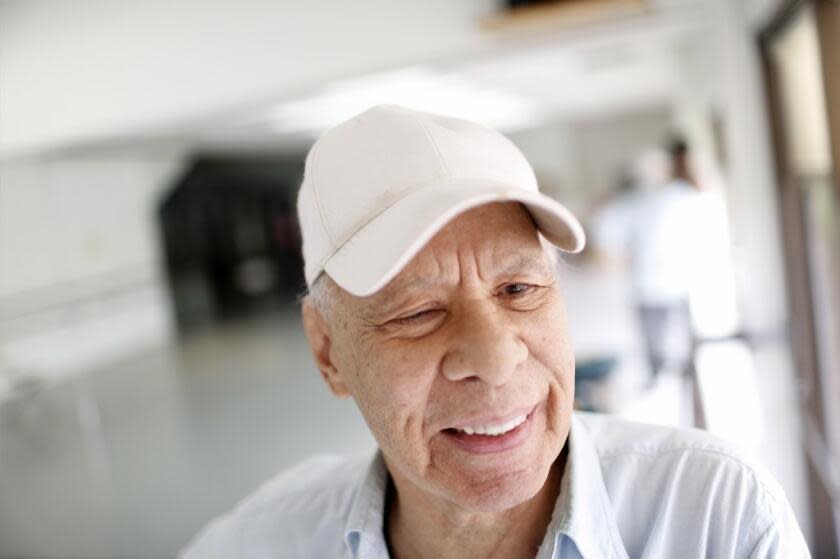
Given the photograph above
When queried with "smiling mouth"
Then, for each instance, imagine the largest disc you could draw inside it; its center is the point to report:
(489, 437)
(492, 430)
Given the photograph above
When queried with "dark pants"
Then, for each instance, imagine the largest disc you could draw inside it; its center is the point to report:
(668, 336)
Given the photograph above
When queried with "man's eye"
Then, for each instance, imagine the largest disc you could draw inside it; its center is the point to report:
(517, 288)
(412, 318)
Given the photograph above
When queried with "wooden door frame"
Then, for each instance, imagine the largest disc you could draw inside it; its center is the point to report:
(802, 332)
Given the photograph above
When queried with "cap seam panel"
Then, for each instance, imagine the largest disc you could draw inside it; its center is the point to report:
(446, 170)
(317, 196)
(409, 191)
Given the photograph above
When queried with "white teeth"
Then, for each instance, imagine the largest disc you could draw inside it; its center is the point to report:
(495, 430)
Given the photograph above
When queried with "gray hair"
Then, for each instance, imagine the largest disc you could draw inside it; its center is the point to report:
(323, 294)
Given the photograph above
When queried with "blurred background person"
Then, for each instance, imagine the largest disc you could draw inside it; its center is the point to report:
(656, 226)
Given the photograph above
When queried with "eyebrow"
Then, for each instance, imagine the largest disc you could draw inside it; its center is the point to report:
(395, 296)
(525, 263)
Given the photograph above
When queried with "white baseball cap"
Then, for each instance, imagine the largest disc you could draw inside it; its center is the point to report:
(379, 186)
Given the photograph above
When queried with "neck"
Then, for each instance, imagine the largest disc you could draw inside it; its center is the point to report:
(422, 525)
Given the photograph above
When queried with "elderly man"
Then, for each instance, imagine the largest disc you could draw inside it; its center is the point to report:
(434, 304)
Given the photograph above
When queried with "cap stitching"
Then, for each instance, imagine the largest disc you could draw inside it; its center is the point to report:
(446, 170)
(317, 195)
(337, 246)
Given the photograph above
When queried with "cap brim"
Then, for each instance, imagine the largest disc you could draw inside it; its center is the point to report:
(380, 249)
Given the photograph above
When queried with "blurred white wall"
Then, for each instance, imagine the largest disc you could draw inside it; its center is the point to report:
(80, 278)
(83, 70)
(68, 219)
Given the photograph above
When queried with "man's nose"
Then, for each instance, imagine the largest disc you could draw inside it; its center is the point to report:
(485, 346)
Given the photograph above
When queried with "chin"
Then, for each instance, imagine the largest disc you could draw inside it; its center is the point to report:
(502, 494)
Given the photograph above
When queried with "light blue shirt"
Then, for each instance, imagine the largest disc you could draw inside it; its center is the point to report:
(629, 490)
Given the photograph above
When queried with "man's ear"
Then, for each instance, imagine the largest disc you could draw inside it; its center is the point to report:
(320, 342)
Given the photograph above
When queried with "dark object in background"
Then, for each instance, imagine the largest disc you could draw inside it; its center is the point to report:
(515, 4)
(680, 165)
(589, 375)
(230, 236)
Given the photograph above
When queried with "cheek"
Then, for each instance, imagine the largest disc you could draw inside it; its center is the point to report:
(550, 347)
(562, 358)
(558, 359)
(548, 341)
(391, 385)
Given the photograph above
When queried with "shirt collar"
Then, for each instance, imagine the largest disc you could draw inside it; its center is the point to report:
(582, 513)
(364, 529)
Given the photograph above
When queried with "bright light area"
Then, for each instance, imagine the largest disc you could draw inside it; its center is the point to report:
(712, 294)
(415, 87)
(728, 384)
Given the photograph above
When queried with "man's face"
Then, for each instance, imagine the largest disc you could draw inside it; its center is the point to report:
(470, 336)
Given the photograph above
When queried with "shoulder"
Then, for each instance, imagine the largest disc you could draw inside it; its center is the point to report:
(689, 477)
(289, 511)
(620, 442)
(613, 435)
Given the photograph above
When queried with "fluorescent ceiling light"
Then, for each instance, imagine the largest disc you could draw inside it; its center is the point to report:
(416, 88)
